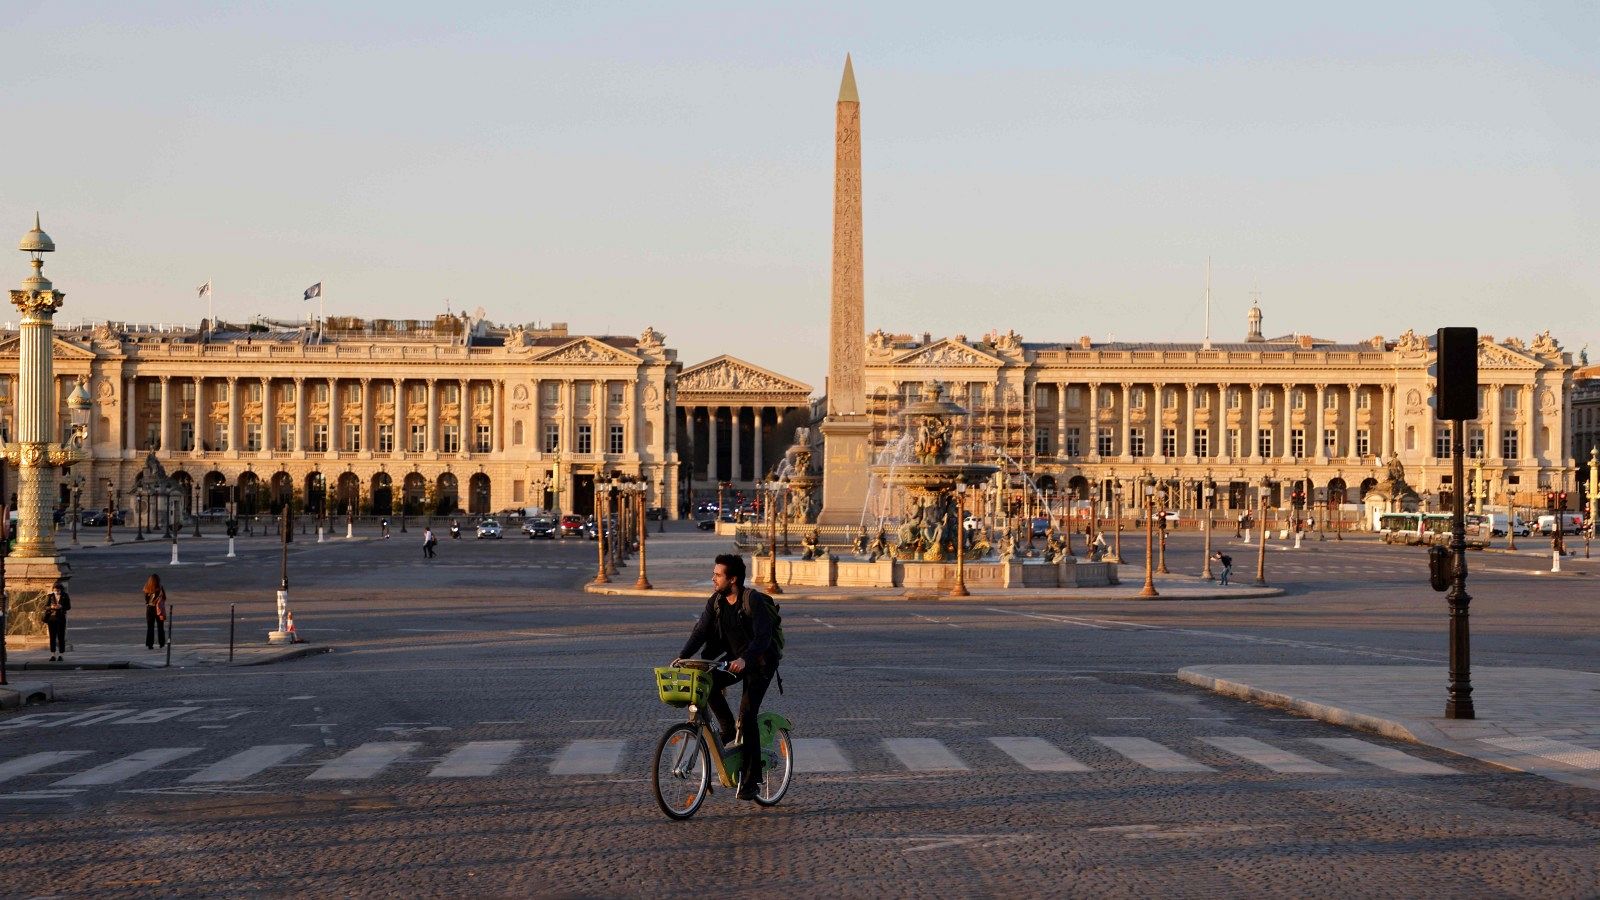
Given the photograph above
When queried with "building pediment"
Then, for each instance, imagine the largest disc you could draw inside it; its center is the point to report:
(948, 352)
(1495, 356)
(588, 351)
(728, 374)
(60, 349)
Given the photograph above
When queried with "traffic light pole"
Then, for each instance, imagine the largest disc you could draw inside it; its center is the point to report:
(1459, 704)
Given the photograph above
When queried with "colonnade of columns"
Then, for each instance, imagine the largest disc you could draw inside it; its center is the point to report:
(731, 443)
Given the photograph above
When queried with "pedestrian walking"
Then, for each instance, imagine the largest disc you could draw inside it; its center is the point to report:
(428, 543)
(385, 526)
(56, 604)
(155, 613)
(1227, 565)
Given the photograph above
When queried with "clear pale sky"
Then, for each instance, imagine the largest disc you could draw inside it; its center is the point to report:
(1058, 169)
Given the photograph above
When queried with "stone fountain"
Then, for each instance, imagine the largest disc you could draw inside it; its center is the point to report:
(930, 522)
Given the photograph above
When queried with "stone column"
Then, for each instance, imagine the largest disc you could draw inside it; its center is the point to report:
(1094, 422)
(1322, 451)
(569, 417)
(129, 406)
(165, 429)
(1389, 421)
(402, 428)
(465, 415)
(760, 473)
(1492, 445)
(269, 419)
(235, 417)
(713, 469)
(496, 442)
(369, 425)
(432, 423)
(1061, 422)
(1186, 432)
(1353, 390)
(1252, 443)
(302, 414)
(1123, 448)
(201, 419)
(335, 419)
(735, 460)
(535, 419)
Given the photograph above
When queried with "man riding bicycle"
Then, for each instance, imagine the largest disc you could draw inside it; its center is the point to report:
(736, 622)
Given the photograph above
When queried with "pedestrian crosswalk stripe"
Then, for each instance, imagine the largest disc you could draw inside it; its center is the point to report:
(364, 761)
(1271, 757)
(1038, 754)
(589, 757)
(33, 762)
(1152, 755)
(820, 755)
(127, 767)
(1574, 755)
(476, 759)
(1383, 757)
(245, 763)
(924, 755)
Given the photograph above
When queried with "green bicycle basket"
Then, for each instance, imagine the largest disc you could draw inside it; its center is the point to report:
(681, 687)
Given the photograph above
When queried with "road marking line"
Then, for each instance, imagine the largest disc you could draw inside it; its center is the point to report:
(245, 763)
(820, 755)
(1038, 754)
(1263, 754)
(822, 623)
(33, 762)
(1152, 755)
(1573, 755)
(364, 761)
(589, 757)
(934, 621)
(476, 759)
(924, 755)
(1383, 757)
(127, 767)
(1062, 620)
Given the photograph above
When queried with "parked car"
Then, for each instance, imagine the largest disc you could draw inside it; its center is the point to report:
(97, 518)
(590, 530)
(706, 524)
(571, 525)
(540, 527)
(488, 528)
(1041, 526)
(655, 513)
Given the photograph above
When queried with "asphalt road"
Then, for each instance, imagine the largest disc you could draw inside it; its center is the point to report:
(484, 727)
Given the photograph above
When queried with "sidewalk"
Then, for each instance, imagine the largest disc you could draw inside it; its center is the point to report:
(122, 656)
(1543, 721)
(690, 578)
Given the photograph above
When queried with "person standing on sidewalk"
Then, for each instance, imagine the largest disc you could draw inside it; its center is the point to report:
(428, 543)
(155, 613)
(56, 604)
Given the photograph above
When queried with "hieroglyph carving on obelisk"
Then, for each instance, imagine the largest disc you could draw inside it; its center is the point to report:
(847, 330)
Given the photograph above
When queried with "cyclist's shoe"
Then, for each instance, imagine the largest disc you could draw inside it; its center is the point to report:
(747, 789)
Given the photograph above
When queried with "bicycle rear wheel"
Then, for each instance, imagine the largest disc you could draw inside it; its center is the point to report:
(777, 763)
(682, 773)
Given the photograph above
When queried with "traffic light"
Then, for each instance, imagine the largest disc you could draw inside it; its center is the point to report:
(1455, 371)
(1561, 500)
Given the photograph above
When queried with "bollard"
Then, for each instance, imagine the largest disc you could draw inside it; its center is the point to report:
(1247, 535)
(231, 554)
(349, 530)
(1297, 540)
(319, 532)
(230, 632)
(174, 554)
(1555, 561)
(169, 623)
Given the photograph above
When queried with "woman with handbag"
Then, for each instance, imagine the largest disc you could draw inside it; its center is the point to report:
(56, 604)
(155, 613)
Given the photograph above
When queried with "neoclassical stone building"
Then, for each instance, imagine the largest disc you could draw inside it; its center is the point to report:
(734, 421)
(442, 414)
(1296, 410)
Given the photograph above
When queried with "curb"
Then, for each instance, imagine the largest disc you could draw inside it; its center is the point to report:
(26, 693)
(284, 656)
(790, 594)
(1332, 714)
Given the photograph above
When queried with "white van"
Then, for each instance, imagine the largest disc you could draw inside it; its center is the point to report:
(1497, 524)
(1571, 523)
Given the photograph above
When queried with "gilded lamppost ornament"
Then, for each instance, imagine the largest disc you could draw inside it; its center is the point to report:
(34, 566)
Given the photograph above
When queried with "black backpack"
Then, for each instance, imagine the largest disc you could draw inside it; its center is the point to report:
(772, 610)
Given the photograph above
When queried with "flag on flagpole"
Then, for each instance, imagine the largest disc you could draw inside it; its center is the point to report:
(205, 289)
(314, 291)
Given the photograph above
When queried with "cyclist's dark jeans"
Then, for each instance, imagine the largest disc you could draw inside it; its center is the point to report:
(755, 688)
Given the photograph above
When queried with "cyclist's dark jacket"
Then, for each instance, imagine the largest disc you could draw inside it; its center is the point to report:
(725, 628)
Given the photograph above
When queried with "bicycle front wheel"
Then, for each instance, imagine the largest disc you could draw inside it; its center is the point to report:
(777, 768)
(682, 773)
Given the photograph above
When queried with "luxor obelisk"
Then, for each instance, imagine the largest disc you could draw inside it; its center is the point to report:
(845, 428)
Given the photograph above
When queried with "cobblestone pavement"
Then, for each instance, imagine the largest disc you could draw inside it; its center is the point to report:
(484, 727)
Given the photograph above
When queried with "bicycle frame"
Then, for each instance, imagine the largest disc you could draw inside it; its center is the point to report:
(727, 764)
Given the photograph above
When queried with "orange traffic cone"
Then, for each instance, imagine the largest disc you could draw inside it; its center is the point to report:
(294, 638)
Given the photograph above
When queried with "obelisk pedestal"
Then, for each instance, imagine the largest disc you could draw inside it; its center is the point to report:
(845, 429)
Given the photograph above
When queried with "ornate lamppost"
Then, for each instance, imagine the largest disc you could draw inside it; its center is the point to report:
(600, 576)
(770, 504)
(111, 509)
(1209, 491)
(1261, 547)
(1116, 513)
(1149, 589)
(960, 588)
(35, 566)
(77, 506)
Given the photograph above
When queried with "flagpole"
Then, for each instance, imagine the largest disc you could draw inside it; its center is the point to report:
(322, 310)
(211, 308)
